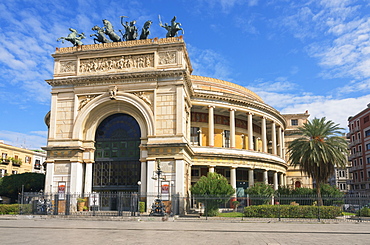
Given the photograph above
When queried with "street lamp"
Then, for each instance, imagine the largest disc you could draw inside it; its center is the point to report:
(158, 208)
(139, 192)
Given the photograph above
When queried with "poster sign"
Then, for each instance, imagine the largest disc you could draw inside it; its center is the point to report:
(165, 190)
(61, 190)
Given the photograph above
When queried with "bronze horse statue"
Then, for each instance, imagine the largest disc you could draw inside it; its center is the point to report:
(145, 30)
(109, 31)
(74, 37)
(173, 28)
(100, 37)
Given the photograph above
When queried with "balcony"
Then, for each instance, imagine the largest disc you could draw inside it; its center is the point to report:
(353, 143)
(4, 161)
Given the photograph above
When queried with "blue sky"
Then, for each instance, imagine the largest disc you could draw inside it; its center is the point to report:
(297, 55)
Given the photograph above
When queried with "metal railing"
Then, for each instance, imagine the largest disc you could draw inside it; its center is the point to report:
(355, 206)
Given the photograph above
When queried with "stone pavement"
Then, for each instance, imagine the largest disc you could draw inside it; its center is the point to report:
(46, 230)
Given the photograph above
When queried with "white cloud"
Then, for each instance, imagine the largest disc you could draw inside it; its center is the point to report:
(335, 109)
(33, 140)
(209, 63)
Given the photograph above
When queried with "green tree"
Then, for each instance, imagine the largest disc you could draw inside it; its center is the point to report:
(11, 185)
(212, 190)
(260, 193)
(319, 149)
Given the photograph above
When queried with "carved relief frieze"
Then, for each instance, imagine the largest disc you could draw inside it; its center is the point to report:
(115, 64)
(168, 57)
(85, 99)
(67, 67)
(147, 97)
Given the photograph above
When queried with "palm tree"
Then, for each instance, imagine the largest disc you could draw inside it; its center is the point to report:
(319, 149)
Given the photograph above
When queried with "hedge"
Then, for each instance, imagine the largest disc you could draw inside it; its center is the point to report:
(365, 211)
(15, 208)
(292, 211)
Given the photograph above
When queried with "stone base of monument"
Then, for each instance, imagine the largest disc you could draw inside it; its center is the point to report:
(158, 208)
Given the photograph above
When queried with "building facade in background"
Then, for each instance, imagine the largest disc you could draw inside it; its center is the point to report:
(119, 109)
(295, 178)
(359, 146)
(15, 160)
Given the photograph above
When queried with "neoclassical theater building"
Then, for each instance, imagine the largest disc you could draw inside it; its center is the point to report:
(118, 109)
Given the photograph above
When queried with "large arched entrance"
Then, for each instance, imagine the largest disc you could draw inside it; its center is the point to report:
(117, 166)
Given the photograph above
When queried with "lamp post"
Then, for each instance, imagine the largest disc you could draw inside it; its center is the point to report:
(158, 208)
(138, 201)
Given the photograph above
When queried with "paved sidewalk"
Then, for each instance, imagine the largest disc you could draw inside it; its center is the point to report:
(40, 230)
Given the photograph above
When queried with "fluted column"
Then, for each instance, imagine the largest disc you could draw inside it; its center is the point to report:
(265, 177)
(233, 178)
(211, 129)
(281, 179)
(275, 181)
(280, 142)
(250, 131)
(264, 134)
(273, 137)
(283, 144)
(232, 127)
(250, 177)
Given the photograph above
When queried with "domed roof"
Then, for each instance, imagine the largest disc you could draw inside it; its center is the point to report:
(209, 85)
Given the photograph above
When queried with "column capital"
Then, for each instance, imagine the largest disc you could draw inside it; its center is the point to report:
(211, 106)
(263, 117)
(233, 167)
(249, 113)
(232, 109)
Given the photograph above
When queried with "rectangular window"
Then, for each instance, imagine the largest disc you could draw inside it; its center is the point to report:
(368, 161)
(367, 133)
(360, 161)
(294, 122)
(37, 164)
(194, 136)
(354, 163)
(362, 176)
(4, 156)
(195, 172)
(366, 119)
(359, 136)
(368, 146)
(359, 148)
(226, 138)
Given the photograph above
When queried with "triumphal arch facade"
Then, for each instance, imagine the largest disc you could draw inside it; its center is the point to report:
(119, 109)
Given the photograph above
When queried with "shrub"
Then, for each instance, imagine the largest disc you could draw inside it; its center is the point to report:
(260, 193)
(291, 211)
(212, 191)
(365, 212)
(9, 208)
(141, 207)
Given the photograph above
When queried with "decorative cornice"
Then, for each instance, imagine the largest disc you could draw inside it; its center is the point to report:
(116, 78)
(133, 43)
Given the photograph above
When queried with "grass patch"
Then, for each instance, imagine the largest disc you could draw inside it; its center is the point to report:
(347, 213)
(233, 214)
